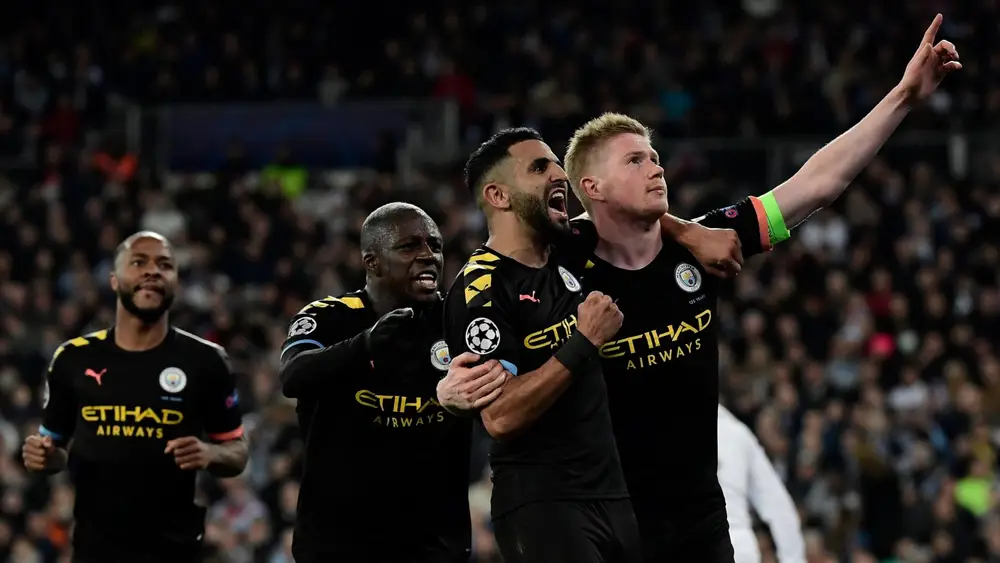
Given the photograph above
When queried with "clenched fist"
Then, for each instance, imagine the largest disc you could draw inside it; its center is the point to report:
(598, 318)
(388, 334)
(38, 453)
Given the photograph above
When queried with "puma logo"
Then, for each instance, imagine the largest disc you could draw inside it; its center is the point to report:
(531, 298)
(95, 374)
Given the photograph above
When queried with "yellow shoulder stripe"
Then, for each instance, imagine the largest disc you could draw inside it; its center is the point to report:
(472, 267)
(77, 343)
(477, 286)
(349, 302)
(484, 257)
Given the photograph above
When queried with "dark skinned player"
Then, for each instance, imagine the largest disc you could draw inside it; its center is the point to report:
(386, 469)
(134, 411)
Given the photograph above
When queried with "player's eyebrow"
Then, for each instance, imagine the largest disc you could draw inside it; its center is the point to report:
(542, 163)
(653, 155)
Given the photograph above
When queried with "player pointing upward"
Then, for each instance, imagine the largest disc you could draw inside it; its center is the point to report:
(662, 367)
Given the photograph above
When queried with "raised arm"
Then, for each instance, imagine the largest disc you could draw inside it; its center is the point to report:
(827, 174)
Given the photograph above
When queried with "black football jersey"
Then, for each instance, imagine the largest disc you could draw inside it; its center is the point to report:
(662, 368)
(117, 409)
(501, 309)
(386, 468)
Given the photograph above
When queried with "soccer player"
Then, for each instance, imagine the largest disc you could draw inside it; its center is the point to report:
(386, 469)
(662, 370)
(748, 478)
(558, 489)
(662, 367)
(140, 407)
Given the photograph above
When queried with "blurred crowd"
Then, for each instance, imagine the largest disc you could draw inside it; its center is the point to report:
(863, 352)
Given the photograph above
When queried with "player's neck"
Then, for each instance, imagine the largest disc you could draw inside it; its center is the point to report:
(135, 335)
(383, 300)
(625, 242)
(515, 240)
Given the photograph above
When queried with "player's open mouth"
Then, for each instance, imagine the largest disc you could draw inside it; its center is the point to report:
(427, 279)
(556, 203)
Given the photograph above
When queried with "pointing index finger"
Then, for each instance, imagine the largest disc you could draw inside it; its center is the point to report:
(932, 31)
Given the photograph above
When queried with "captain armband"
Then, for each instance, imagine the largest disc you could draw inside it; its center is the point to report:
(777, 231)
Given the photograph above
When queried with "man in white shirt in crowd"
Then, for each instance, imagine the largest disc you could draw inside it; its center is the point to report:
(748, 479)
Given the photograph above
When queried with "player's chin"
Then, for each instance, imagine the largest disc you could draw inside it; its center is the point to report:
(559, 219)
(423, 291)
(656, 202)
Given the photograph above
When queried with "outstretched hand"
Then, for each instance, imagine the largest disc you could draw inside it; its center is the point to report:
(929, 65)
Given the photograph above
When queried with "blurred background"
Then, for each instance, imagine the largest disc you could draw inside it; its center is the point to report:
(257, 135)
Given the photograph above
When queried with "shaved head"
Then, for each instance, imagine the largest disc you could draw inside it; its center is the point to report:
(378, 230)
(126, 245)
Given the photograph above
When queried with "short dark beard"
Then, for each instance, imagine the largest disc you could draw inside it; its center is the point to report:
(533, 212)
(148, 316)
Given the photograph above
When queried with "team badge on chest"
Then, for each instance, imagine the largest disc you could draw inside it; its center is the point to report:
(440, 357)
(688, 277)
(571, 282)
(173, 380)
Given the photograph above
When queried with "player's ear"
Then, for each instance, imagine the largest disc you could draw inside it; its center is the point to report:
(590, 187)
(371, 262)
(113, 277)
(497, 195)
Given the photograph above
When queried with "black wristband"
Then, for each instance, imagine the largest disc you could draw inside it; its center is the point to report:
(576, 352)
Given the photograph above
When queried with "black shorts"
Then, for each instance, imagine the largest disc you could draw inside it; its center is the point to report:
(600, 531)
(703, 538)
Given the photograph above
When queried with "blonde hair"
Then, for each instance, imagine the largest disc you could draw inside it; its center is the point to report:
(589, 139)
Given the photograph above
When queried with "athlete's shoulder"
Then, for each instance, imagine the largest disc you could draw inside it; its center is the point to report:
(71, 349)
(200, 346)
(347, 304)
(475, 285)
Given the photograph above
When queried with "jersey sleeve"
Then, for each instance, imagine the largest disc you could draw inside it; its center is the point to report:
(58, 401)
(317, 325)
(750, 219)
(223, 420)
(478, 319)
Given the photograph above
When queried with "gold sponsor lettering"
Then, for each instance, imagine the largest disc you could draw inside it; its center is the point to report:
(552, 336)
(123, 421)
(389, 421)
(133, 415)
(394, 403)
(658, 346)
(129, 431)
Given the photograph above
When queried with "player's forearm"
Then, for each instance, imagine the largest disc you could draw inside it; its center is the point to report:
(527, 397)
(229, 459)
(304, 371)
(524, 399)
(827, 173)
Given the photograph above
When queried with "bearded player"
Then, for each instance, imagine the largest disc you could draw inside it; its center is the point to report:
(135, 411)
(661, 368)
